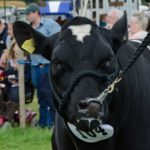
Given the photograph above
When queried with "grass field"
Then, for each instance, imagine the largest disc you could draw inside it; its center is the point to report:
(26, 139)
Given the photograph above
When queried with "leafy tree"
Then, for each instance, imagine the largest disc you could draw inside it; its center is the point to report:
(144, 2)
(34, 1)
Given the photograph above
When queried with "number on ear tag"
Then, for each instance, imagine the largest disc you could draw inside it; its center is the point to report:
(28, 46)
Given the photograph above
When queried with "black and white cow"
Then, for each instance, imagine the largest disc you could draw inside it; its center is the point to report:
(82, 49)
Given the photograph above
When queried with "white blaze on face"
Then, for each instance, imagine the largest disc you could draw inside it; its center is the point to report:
(81, 31)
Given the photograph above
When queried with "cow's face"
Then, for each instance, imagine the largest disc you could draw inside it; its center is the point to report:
(80, 47)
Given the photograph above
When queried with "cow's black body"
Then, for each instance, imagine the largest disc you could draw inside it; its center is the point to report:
(129, 107)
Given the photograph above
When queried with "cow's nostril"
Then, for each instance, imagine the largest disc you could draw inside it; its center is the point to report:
(83, 105)
(82, 113)
(93, 109)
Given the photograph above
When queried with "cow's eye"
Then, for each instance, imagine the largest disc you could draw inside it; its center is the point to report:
(105, 64)
(109, 66)
(59, 66)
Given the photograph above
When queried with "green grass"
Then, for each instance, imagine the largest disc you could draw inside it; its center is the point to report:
(26, 139)
(34, 105)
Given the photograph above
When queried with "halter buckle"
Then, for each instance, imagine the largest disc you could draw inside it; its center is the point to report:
(111, 87)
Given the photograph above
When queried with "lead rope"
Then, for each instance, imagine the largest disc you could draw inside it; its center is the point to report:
(67, 94)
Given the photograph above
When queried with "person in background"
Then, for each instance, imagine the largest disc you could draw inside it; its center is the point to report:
(10, 56)
(40, 65)
(103, 20)
(8, 62)
(112, 17)
(3, 32)
(138, 25)
(10, 35)
(3, 35)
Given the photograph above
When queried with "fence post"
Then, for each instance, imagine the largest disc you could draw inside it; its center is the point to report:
(21, 93)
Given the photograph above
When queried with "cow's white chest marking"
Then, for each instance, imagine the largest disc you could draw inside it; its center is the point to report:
(81, 31)
(103, 132)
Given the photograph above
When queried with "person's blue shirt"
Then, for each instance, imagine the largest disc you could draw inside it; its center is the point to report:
(47, 27)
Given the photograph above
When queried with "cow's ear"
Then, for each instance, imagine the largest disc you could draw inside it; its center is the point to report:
(31, 41)
(119, 32)
(27, 38)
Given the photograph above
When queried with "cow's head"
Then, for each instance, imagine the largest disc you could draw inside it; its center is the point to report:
(80, 47)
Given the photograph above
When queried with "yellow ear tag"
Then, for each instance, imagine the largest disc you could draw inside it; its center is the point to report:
(28, 46)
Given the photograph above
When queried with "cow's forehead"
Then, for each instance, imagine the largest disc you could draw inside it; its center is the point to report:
(81, 41)
(95, 45)
(81, 31)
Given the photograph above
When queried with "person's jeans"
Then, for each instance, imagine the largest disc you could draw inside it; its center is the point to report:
(40, 80)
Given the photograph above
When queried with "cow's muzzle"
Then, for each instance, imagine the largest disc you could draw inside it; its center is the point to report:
(89, 115)
(90, 112)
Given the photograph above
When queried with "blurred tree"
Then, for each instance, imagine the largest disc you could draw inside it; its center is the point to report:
(144, 2)
(35, 1)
